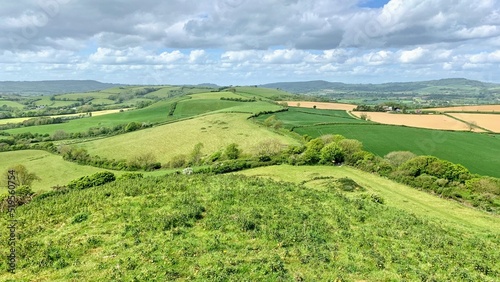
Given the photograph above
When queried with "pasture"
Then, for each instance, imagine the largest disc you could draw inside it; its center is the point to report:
(478, 152)
(214, 131)
(430, 121)
(307, 116)
(12, 104)
(51, 169)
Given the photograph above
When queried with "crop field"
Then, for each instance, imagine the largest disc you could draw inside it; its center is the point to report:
(442, 122)
(488, 121)
(51, 169)
(13, 120)
(214, 131)
(307, 116)
(478, 152)
(480, 108)
(441, 211)
(322, 105)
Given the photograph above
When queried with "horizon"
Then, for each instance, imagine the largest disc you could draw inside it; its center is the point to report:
(263, 84)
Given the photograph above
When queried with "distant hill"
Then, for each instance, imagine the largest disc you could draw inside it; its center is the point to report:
(52, 86)
(423, 87)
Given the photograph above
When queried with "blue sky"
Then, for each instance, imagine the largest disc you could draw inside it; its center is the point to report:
(244, 42)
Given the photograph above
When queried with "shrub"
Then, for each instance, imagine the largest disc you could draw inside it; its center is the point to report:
(397, 158)
(232, 152)
(93, 180)
(178, 161)
(332, 154)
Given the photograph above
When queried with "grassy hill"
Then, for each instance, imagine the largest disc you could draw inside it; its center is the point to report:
(214, 131)
(234, 228)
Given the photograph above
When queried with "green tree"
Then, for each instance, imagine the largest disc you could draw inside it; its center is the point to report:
(195, 156)
(22, 176)
(232, 152)
(132, 126)
(332, 154)
(312, 153)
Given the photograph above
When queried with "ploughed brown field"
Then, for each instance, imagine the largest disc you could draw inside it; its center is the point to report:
(479, 108)
(322, 105)
(415, 120)
(488, 121)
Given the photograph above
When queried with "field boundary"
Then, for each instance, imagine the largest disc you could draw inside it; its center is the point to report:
(468, 123)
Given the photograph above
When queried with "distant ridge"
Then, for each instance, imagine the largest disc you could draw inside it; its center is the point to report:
(318, 85)
(48, 87)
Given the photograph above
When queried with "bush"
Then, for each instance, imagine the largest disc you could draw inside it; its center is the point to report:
(232, 152)
(178, 161)
(332, 154)
(93, 180)
(399, 157)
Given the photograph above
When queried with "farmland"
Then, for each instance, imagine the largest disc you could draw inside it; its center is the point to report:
(479, 108)
(322, 105)
(442, 122)
(150, 222)
(383, 139)
(214, 131)
(487, 121)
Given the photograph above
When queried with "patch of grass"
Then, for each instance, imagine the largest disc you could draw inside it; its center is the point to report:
(234, 228)
(443, 212)
(11, 104)
(51, 169)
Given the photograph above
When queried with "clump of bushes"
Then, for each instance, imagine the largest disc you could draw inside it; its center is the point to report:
(93, 180)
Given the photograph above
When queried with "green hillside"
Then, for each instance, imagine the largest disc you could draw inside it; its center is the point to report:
(214, 131)
(233, 228)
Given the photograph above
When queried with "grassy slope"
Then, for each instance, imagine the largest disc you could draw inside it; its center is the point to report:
(229, 228)
(11, 104)
(477, 152)
(441, 211)
(51, 169)
(214, 131)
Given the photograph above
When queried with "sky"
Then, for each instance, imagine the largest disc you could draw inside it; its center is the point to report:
(248, 42)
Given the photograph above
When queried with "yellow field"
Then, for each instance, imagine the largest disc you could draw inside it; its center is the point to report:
(166, 141)
(488, 121)
(421, 121)
(480, 108)
(13, 120)
(322, 105)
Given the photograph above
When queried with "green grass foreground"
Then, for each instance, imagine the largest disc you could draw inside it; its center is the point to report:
(236, 228)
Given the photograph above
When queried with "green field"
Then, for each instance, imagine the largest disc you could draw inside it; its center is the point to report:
(478, 152)
(214, 131)
(234, 228)
(303, 117)
(11, 104)
(441, 211)
(155, 113)
(51, 169)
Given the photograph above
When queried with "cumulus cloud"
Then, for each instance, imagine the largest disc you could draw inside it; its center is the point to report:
(290, 39)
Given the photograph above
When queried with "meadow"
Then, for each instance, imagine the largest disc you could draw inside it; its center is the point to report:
(51, 169)
(235, 228)
(215, 131)
(322, 105)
